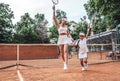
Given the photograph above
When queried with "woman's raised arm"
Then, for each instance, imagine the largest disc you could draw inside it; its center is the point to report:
(54, 18)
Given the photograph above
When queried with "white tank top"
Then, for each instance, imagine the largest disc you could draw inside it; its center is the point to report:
(62, 29)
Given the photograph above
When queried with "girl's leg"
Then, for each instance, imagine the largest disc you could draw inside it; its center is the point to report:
(86, 63)
(62, 51)
(81, 62)
(86, 60)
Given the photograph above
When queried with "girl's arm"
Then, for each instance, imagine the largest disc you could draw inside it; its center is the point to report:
(88, 31)
(54, 17)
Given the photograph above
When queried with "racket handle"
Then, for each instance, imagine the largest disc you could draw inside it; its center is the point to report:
(53, 7)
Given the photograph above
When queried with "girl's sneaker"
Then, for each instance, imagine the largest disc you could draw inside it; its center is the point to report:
(85, 65)
(83, 69)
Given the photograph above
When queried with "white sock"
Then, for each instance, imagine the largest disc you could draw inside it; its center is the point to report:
(64, 63)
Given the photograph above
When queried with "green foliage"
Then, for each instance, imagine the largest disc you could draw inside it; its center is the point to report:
(27, 30)
(54, 32)
(40, 27)
(6, 25)
(75, 34)
(108, 9)
(30, 30)
(80, 27)
(60, 14)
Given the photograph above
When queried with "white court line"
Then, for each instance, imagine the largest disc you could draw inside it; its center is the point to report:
(20, 76)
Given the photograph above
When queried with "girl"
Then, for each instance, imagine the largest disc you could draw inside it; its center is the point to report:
(82, 54)
(63, 39)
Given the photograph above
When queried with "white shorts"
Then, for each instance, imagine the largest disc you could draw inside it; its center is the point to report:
(64, 39)
(82, 55)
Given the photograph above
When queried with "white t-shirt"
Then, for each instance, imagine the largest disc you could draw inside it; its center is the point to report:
(83, 46)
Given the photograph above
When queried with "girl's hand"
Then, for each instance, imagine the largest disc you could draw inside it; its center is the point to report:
(53, 7)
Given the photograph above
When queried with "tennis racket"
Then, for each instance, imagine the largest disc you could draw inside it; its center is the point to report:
(55, 2)
(75, 42)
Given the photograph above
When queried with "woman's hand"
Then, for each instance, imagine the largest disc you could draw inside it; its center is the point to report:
(72, 39)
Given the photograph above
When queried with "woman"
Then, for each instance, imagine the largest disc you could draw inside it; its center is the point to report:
(64, 38)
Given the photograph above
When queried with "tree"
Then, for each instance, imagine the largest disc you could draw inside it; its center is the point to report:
(6, 26)
(54, 34)
(40, 27)
(108, 9)
(60, 14)
(25, 31)
(80, 27)
(30, 30)
(75, 34)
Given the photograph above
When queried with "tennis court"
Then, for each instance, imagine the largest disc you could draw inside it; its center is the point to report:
(51, 69)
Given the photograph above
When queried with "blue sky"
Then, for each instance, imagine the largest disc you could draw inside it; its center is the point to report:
(73, 8)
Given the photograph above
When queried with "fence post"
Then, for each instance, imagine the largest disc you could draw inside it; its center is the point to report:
(18, 56)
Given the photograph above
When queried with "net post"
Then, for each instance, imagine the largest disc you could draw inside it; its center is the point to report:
(18, 56)
(101, 52)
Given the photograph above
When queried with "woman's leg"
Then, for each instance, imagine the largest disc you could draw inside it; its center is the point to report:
(62, 51)
(66, 53)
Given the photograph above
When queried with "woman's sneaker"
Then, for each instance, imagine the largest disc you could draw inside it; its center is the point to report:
(65, 66)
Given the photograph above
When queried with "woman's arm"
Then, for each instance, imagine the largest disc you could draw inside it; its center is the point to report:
(69, 35)
(54, 17)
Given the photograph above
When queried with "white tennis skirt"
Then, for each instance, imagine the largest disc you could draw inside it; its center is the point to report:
(82, 55)
(64, 39)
